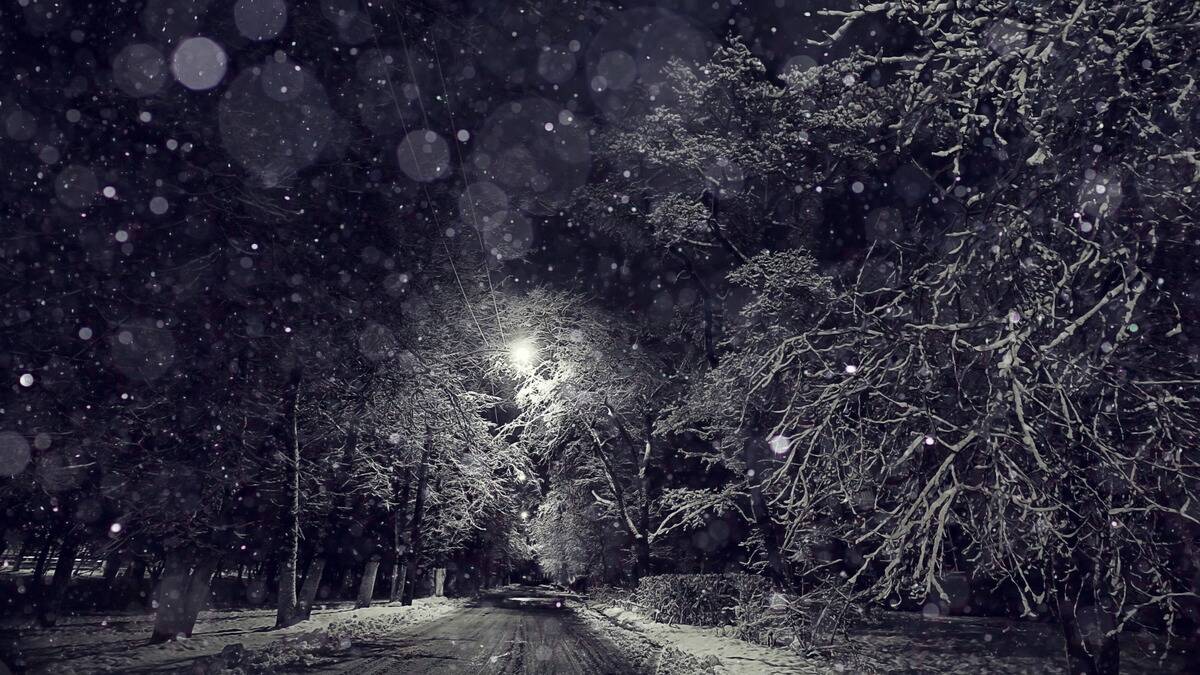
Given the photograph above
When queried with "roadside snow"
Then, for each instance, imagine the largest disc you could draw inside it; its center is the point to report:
(648, 655)
(118, 642)
(897, 643)
(725, 655)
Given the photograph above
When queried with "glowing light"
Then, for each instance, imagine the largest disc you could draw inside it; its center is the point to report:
(522, 353)
(851, 369)
(780, 444)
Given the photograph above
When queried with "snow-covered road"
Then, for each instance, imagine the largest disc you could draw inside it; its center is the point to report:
(512, 630)
(502, 633)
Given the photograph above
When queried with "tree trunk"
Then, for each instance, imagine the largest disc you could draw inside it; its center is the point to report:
(400, 582)
(1089, 654)
(183, 593)
(1090, 649)
(763, 521)
(285, 607)
(641, 549)
(199, 584)
(112, 565)
(137, 579)
(412, 555)
(171, 598)
(618, 493)
(366, 588)
(39, 567)
(312, 583)
(399, 544)
(643, 543)
(63, 567)
(1108, 656)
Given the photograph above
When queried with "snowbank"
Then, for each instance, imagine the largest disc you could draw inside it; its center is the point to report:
(721, 655)
(119, 643)
(896, 643)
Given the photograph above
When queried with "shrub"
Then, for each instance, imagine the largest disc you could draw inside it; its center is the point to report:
(701, 599)
(814, 622)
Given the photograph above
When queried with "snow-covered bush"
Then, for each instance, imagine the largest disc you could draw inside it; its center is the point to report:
(813, 622)
(700, 599)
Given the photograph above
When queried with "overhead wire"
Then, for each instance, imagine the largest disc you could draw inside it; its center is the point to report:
(428, 197)
(458, 150)
(463, 169)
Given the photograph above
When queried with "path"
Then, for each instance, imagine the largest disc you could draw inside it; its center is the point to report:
(513, 631)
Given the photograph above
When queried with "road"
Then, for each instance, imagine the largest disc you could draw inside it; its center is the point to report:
(518, 631)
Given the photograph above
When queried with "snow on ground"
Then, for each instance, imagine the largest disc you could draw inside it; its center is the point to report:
(900, 642)
(119, 642)
(897, 643)
(648, 655)
(723, 655)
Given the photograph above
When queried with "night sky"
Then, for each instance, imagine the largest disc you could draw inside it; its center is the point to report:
(141, 124)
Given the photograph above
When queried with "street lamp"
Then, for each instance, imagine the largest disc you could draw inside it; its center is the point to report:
(522, 353)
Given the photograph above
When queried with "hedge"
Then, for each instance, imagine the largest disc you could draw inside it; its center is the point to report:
(701, 599)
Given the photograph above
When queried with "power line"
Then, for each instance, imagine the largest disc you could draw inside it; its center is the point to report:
(428, 197)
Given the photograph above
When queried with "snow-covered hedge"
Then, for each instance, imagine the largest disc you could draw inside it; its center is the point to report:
(700, 599)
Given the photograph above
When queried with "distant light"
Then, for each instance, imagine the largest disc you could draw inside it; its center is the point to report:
(851, 369)
(114, 528)
(524, 515)
(780, 444)
(27, 380)
(929, 440)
